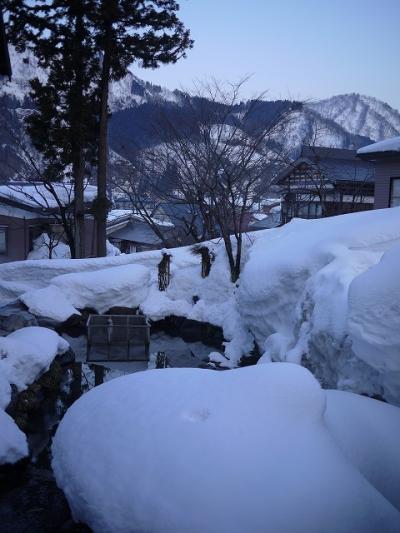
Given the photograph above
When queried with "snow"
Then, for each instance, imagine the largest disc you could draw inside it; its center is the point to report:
(216, 302)
(387, 145)
(304, 297)
(373, 319)
(190, 450)
(36, 195)
(42, 245)
(24, 355)
(125, 286)
(49, 302)
(28, 352)
(59, 250)
(368, 432)
(360, 115)
(13, 445)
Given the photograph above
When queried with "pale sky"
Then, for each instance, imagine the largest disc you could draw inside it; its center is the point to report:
(305, 49)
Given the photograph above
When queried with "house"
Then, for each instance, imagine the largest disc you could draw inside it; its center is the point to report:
(130, 233)
(5, 65)
(385, 155)
(28, 210)
(324, 182)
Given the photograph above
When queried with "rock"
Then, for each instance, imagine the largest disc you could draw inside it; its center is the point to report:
(36, 506)
(22, 320)
(46, 322)
(191, 330)
(66, 358)
(15, 316)
(118, 310)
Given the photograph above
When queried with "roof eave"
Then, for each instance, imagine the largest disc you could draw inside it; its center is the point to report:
(373, 156)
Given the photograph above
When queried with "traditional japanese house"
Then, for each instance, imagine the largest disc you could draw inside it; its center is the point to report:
(324, 182)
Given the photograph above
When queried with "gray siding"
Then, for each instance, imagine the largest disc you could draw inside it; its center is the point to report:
(385, 170)
(17, 238)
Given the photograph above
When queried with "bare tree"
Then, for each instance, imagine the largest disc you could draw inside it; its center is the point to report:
(216, 160)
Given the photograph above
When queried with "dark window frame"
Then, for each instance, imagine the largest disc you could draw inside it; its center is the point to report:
(5, 228)
(392, 179)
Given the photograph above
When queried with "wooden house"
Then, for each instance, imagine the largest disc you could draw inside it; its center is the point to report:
(324, 182)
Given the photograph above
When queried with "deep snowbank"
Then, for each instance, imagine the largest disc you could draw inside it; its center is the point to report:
(126, 286)
(24, 355)
(294, 296)
(189, 450)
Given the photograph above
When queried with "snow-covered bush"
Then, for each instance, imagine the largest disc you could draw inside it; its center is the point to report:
(189, 450)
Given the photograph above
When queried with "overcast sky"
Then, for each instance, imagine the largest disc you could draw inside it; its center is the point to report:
(292, 48)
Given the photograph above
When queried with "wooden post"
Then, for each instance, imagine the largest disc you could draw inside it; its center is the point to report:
(164, 272)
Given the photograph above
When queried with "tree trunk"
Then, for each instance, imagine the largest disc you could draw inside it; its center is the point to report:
(238, 259)
(76, 112)
(102, 201)
(79, 205)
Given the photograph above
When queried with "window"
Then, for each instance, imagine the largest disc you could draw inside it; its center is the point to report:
(3, 240)
(394, 192)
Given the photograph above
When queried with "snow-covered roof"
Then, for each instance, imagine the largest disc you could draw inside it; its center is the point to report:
(387, 145)
(116, 214)
(36, 195)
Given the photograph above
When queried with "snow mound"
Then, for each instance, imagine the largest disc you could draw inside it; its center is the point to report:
(309, 294)
(24, 355)
(126, 286)
(13, 445)
(190, 450)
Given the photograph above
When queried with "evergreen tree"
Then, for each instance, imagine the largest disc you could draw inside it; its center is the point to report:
(126, 31)
(63, 127)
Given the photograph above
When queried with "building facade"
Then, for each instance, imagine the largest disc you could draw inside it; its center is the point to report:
(385, 155)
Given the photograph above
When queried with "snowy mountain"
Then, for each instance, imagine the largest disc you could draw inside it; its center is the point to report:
(361, 115)
(344, 121)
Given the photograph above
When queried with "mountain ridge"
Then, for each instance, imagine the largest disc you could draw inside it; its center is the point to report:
(343, 121)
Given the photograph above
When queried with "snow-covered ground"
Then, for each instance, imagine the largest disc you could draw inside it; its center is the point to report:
(322, 292)
(189, 450)
(24, 355)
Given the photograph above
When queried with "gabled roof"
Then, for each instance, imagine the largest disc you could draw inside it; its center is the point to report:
(382, 149)
(136, 231)
(336, 164)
